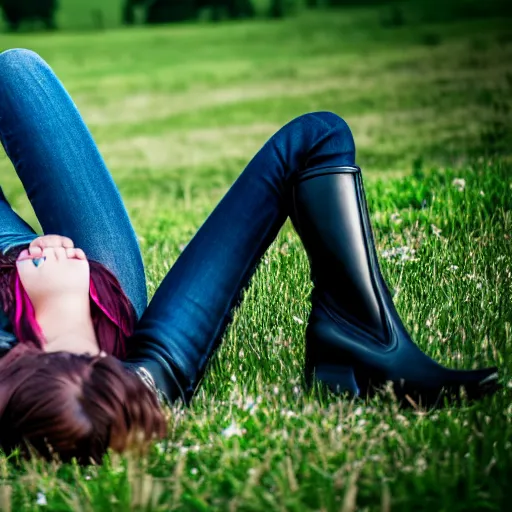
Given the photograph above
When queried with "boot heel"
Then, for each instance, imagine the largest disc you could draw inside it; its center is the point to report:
(338, 378)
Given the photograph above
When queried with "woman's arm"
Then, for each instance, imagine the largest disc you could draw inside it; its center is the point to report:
(9, 256)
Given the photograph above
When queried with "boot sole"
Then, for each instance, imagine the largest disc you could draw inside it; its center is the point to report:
(345, 380)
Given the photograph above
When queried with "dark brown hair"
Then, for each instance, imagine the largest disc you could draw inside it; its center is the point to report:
(74, 405)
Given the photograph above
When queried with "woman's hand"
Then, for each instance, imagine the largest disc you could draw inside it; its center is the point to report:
(37, 246)
(62, 273)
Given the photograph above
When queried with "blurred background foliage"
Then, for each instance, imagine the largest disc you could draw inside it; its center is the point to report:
(28, 15)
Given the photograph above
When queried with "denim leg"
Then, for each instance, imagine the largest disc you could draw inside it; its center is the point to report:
(191, 308)
(63, 173)
(14, 230)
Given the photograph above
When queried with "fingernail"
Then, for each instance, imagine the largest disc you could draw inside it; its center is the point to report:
(38, 261)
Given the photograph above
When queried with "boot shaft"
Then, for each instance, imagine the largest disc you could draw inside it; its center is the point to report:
(330, 214)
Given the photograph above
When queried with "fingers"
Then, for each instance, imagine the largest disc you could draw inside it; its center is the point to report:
(67, 242)
(35, 253)
(62, 253)
(80, 254)
(57, 253)
(35, 250)
(24, 255)
(36, 246)
(76, 253)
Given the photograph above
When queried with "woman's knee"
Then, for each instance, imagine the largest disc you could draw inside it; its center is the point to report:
(329, 119)
(330, 122)
(16, 60)
(316, 138)
(315, 125)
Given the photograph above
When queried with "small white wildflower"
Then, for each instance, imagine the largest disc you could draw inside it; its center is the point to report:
(275, 390)
(407, 254)
(194, 471)
(41, 499)
(298, 320)
(296, 390)
(404, 253)
(482, 193)
(249, 404)
(435, 230)
(358, 411)
(421, 464)
(509, 384)
(428, 323)
(339, 429)
(233, 378)
(454, 267)
(395, 218)
(479, 286)
(459, 184)
(361, 422)
(232, 430)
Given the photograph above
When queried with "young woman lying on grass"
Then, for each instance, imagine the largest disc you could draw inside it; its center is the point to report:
(87, 364)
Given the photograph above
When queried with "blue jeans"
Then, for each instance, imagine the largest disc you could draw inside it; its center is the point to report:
(73, 194)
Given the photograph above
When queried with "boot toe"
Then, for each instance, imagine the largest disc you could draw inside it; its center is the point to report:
(484, 382)
(467, 385)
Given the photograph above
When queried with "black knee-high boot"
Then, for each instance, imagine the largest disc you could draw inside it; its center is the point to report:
(355, 339)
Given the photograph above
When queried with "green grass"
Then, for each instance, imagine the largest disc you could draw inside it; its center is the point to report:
(177, 112)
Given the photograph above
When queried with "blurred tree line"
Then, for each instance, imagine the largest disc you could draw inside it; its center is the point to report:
(17, 11)
(396, 12)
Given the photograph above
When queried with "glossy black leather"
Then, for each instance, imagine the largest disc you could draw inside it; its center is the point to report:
(355, 339)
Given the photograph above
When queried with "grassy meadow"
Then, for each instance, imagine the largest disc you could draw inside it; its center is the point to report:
(177, 112)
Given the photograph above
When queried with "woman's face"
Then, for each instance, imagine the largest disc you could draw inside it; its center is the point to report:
(62, 274)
